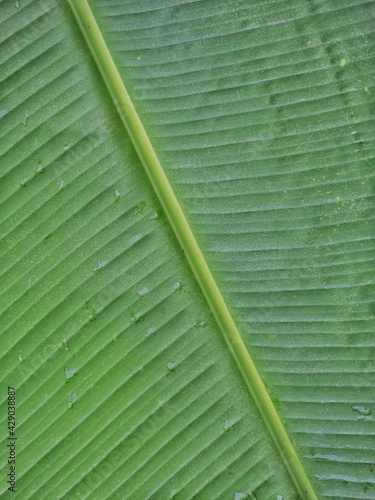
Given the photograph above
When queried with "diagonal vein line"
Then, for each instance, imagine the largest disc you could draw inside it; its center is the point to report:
(185, 236)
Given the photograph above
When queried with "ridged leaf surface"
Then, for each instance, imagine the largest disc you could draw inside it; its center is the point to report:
(261, 114)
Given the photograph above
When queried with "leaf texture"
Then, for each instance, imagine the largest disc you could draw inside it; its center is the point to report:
(124, 386)
(261, 114)
(263, 117)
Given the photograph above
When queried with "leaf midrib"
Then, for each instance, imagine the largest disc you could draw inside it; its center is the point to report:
(188, 243)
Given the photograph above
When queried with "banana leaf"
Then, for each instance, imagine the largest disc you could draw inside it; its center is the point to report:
(187, 249)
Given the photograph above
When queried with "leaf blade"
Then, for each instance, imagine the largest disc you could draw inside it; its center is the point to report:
(181, 228)
(58, 241)
(268, 139)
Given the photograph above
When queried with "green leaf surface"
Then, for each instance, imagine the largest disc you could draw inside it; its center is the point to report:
(261, 114)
